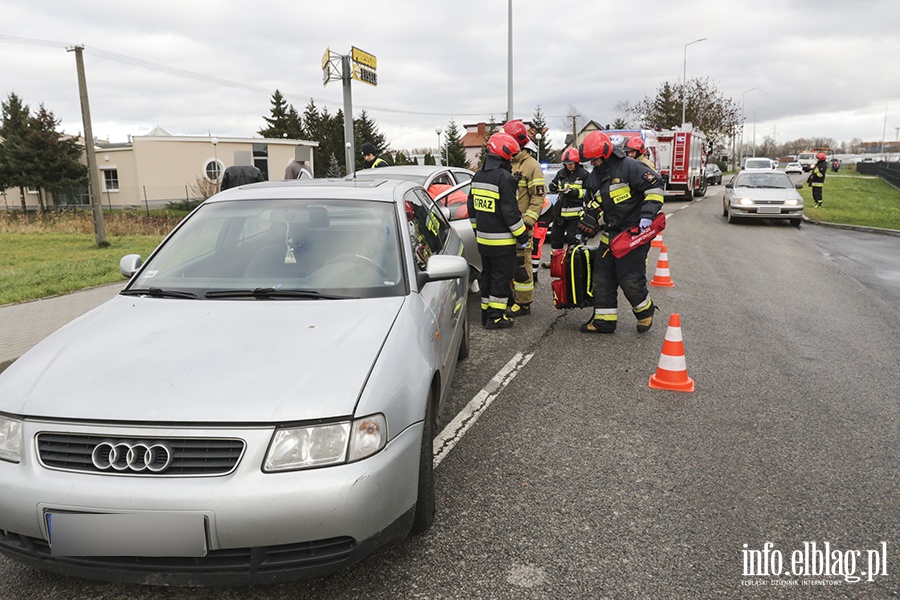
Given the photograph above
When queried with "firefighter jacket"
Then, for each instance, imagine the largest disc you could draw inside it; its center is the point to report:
(527, 170)
(817, 176)
(625, 190)
(493, 211)
(570, 202)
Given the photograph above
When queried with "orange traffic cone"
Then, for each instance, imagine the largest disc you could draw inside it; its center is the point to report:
(671, 373)
(662, 277)
(657, 241)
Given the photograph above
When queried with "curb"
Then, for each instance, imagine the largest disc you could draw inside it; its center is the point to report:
(862, 228)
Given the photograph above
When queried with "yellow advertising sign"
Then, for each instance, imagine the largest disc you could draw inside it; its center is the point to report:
(325, 57)
(363, 58)
(365, 75)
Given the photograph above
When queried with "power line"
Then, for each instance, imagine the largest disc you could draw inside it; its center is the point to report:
(209, 79)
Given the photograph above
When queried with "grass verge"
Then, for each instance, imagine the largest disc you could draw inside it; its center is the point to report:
(848, 200)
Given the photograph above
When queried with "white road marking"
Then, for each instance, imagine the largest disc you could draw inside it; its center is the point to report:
(461, 423)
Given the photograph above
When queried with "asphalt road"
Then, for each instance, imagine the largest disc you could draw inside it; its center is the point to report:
(579, 481)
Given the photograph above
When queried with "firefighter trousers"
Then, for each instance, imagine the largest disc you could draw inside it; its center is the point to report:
(817, 193)
(563, 233)
(523, 278)
(629, 273)
(496, 275)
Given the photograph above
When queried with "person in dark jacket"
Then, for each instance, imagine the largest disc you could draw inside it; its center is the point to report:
(236, 175)
(816, 178)
(370, 155)
(569, 185)
(628, 194)
(499, 229)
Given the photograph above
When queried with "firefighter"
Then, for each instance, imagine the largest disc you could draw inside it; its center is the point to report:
(635, 148)
(499, 229)
(527, 171)
(627, 193)
(816, 178)
(569, 185)
(370, 155)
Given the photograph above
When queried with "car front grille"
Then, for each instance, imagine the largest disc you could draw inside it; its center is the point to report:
(188, 456)
(228, 566)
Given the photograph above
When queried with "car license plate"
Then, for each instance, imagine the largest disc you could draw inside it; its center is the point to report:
(126, 534)
(769, 210)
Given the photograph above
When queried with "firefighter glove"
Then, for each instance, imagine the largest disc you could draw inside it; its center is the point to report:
(553, 187)
(589, 223)
(572, 193)
(645, 224)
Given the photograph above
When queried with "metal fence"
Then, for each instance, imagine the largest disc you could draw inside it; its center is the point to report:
(888, 171)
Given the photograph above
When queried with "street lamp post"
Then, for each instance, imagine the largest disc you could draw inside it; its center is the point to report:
(538, 137)
(743, 123)
(684, 82)
(754, 128)
(438, 131)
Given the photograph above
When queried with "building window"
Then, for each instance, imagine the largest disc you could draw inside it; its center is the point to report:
(213, 170)
(111, 180)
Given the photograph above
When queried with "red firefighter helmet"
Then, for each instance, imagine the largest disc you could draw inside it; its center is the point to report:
(635, 143)
(570, 156)
(518, 130)
(503, 145)
(596, 145)
(820, 156)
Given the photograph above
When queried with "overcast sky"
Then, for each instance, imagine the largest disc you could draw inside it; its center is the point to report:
(194, 67)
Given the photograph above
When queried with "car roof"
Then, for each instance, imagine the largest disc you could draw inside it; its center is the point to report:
(384, 190)
(417, 170)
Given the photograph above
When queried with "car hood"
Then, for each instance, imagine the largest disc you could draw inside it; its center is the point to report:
(765, 194)
(203, 361)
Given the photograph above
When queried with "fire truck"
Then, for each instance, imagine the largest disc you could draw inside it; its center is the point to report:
(620, 136)
(681, 162)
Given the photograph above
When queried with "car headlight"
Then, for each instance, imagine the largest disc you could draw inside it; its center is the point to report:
(294, 448)
(10, 439)
(791, 202)
(745, 201)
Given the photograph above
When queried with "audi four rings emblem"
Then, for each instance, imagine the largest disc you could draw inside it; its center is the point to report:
(135, 457)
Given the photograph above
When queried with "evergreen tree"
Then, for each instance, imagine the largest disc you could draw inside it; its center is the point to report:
(284, 122)
(52, 161)
(453, 149)
(13, 127)
(429, 159)
(620, 123)
(703, 104)
(334, 167)
(400, 158)
(492, 128)
(545, 150)
(365, 130)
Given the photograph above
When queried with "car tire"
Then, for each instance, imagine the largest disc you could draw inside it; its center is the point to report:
(464, 344)
(702, 190)
(796, 222)
(731, 217)
(425, 500)
(724, 210)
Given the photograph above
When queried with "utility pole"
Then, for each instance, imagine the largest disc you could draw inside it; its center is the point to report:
(94, 182)
(349, 152)
(509, 75)
(574, 132)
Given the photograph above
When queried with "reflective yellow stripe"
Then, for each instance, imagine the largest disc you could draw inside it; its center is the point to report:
(654, 198)
(490, 242)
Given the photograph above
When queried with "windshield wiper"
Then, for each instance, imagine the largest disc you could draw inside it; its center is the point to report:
(274, 293)
(157, 293)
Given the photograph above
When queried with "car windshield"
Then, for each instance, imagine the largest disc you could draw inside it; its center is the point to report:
(764, 180)
(279, 249)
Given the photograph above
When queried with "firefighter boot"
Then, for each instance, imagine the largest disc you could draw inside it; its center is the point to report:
(501, 322)
(519, 310)
(644, 325)
(599, 326)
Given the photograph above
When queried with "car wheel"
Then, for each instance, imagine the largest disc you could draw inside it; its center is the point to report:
(731, 217)
(425, 502)
(796, 222)
(702, 190)
(724, 210)
(464, 344)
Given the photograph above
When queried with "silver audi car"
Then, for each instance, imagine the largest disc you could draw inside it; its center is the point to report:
(257, 404)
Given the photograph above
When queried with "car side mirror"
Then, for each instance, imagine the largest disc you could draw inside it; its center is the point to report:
(729, 185)
(129, 264)
(440, 268)
(799, 186)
